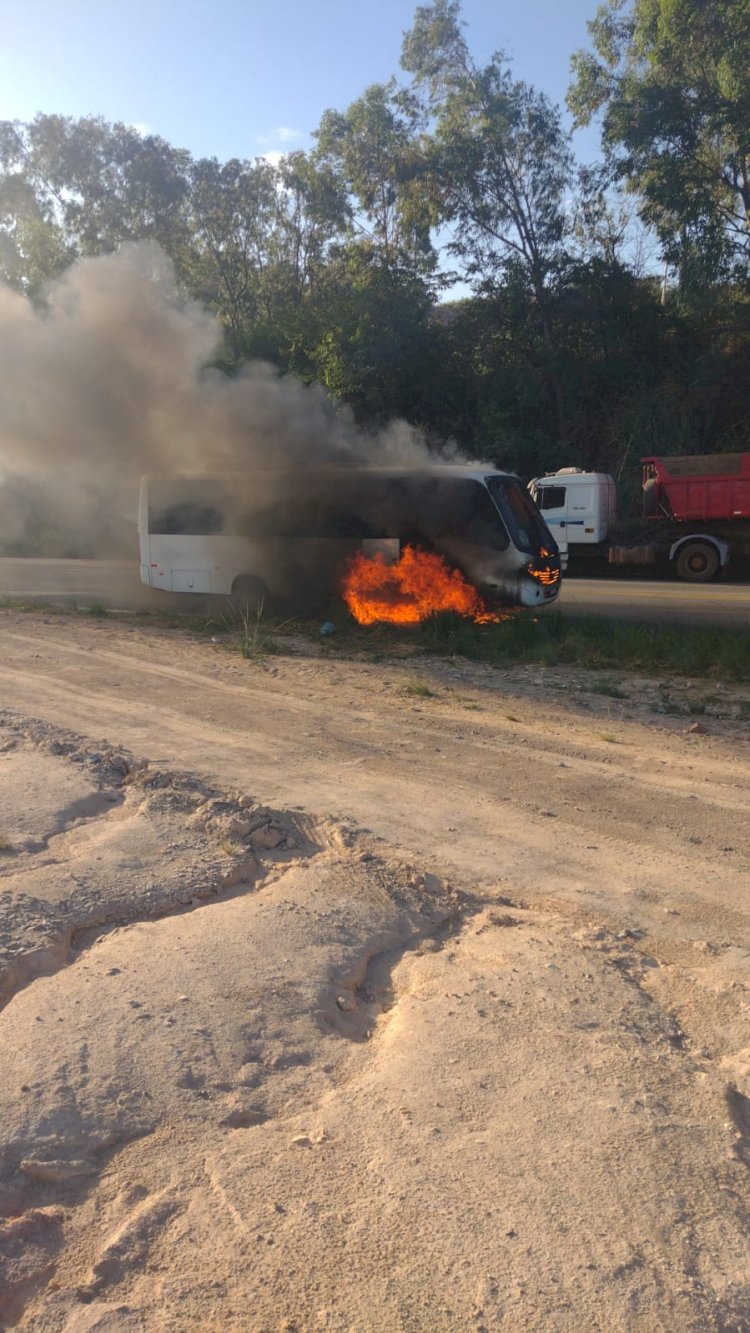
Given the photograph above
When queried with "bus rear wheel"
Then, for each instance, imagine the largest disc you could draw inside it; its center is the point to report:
(698, 562)
(249, 595)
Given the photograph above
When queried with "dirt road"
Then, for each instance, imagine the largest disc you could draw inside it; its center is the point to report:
(385, 996)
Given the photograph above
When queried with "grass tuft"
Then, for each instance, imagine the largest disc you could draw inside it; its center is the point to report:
(608, 688)
(419, 689)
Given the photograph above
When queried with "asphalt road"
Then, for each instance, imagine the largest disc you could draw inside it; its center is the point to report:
(116, 584)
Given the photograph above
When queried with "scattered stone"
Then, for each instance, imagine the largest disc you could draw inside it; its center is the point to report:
(301, 1141)
(267, 838)
(345, 1004)
(28, 1224)
(697, 729)
(244, 1118)
(241, 872)
(56, 1171)
(239, 828)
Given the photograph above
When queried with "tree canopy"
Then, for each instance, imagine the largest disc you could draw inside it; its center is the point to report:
(564, 344)
(671, 82)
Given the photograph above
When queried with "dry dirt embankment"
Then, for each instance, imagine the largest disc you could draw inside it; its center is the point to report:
(332, 1004)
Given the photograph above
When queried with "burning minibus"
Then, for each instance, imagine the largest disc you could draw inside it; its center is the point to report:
(263, 536)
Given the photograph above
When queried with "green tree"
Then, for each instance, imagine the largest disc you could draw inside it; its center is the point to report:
(98, 184)
(498, 164)
(313, 213)
(373, 148)
(33, 247)
(671, 81)
(233, 217)
(377, 347)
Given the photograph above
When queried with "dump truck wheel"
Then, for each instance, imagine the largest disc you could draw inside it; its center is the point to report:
(698, 562)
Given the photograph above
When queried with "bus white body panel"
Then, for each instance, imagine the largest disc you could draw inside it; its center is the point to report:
(194, 563)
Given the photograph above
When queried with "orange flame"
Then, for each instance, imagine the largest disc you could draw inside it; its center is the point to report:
(547, 577)
(417, 585)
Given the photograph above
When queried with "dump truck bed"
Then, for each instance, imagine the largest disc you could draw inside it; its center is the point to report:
(702, 487)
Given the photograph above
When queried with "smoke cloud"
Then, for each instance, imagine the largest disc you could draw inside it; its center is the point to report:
(106, 379)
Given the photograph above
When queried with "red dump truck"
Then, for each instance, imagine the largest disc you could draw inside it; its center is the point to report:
(695, 515)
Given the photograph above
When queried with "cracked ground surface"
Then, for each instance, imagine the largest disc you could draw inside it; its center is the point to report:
(329, 1005)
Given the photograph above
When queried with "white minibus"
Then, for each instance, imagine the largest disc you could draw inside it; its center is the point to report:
(263, 536)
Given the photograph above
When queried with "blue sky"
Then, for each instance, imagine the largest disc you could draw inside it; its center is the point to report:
(243, 78)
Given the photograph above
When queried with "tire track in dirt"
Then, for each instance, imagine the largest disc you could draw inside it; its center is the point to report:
(548, 744)
(413, 774)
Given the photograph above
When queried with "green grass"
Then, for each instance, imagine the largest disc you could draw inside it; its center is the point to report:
(607, 688)
(419, 689)
(552, 639)
(714, 653)
(254, 640)
(253, 646)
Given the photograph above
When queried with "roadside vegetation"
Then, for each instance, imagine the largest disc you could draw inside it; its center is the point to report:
(612, 647)
(713, 653)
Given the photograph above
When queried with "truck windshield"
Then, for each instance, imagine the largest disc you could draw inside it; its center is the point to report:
(523, 521)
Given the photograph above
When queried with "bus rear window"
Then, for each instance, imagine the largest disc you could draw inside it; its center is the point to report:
(190, 507)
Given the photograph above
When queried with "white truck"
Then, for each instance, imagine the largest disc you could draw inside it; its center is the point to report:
(695, 515)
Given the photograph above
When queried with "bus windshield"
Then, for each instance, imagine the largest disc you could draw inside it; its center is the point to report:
(525, 525)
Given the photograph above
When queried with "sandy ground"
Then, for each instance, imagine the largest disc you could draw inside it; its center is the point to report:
(334, 1004)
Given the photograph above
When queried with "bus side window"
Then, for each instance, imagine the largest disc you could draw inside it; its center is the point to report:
(471, 514)
(344, 523)
(187, 519)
